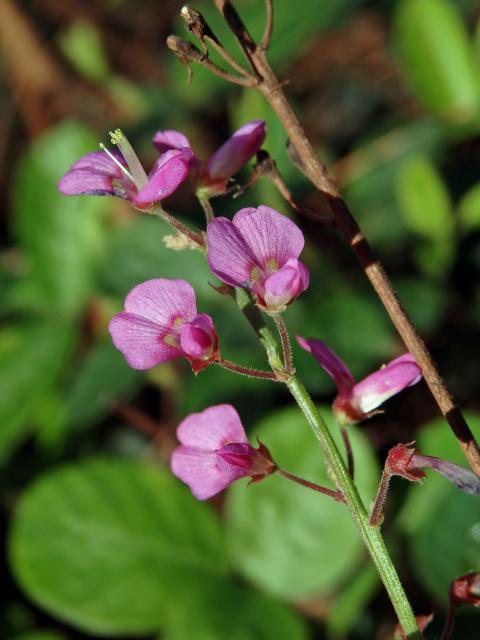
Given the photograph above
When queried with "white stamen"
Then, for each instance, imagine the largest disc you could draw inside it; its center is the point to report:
(117, 162)
(139, 176)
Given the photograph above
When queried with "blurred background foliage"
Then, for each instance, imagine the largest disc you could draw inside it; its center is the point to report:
(100, 539)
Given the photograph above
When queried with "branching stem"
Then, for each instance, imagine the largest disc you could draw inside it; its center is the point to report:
(318, 174)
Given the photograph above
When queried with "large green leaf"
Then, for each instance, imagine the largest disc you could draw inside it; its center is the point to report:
(438, 58)
(288, 540)
(234, 612)
(31, 359)
(111, 545)
(60, 236)
(442, 522)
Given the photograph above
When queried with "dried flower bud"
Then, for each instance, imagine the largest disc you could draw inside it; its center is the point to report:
(466, 590)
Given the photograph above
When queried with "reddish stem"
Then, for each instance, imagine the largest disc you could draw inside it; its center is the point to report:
(348, 451)
(336, 495)
(376, 516)
(246, 371)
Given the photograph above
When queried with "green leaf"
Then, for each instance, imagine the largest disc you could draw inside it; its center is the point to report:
(351, 602)
(424, 199)
(82, 45)
(111, 546)
(31, 359)
(438, 58)
(442, 522)
(102, 377)
(469, 209)
(290, 541)
(60, 235)
(234, 612)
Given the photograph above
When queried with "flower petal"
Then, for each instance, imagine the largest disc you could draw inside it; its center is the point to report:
(97, 174)
(286, 284)
(199, 338)
(229, 256)
(199, 470)
(141, 341)
(330, 362)
(170, 139)
(270, 236)
(212, 428)
(378, 387)
(169, 172)
(237, 150)
(462, 478)
(163, 301)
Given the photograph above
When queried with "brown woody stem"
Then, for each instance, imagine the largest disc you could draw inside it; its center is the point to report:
(318, 174)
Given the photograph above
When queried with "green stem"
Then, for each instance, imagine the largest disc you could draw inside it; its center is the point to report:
(371, 535)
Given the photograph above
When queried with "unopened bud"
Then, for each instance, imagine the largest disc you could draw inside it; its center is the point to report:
(185, 50)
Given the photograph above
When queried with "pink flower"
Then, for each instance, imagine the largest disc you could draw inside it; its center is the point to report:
(406, 461)
(259, 250)
(357, 401)
(160, 322)
(214, 452)
(120, 173)
(213, 175)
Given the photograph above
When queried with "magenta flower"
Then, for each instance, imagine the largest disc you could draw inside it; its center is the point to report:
(214, 452)
(259, 250)
(406, 461)
(357, 401)
(160, 322)
(120, 173)
(212, 176)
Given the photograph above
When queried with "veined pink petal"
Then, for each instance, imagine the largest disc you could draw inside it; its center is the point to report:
(229, 256)
(271, 237)
(237, 150)
(97, 174)
(212, 428)
(170, 139)
(330, 362)
(378, 387)
(199, 470)
(198, 337)
(141, 341)
(164, 302)
(169, 172)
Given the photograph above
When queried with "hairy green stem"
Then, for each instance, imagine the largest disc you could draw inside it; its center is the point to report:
(371, 535)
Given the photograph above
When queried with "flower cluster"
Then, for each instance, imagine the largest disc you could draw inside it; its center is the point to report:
(258, 250)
